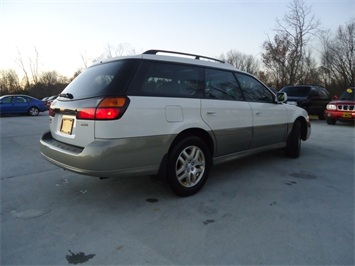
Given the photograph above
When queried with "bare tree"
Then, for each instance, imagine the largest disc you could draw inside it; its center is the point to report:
(21, 64)
(287, 52)
(311, 73)
(120, 50)
(34, 67)
(86, 59)
(9, 82)
(275, 59)
(244, 62)
(49, 78)
(338, 55)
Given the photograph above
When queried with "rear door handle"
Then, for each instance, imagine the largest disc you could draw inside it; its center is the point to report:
(211, 112)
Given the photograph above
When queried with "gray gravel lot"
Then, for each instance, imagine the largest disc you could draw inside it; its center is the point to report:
(264, 209)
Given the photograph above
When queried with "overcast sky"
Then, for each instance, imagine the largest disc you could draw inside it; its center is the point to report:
(64, 31)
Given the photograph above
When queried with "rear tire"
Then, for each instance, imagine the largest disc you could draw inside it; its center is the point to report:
(189, 164)
(293, 144)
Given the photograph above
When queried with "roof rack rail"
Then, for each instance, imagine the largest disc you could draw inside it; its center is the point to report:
(198, 57)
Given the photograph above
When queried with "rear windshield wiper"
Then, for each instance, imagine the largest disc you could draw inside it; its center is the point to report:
(66, 95)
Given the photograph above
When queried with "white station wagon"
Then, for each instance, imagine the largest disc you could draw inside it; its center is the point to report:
(168, 114)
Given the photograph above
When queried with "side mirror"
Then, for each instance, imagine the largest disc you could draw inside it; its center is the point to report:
(281, 97)
(336, 97)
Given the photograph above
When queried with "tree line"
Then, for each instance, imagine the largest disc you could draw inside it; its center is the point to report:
(287, 58)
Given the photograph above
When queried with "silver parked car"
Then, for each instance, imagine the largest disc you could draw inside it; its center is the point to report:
(167, 115)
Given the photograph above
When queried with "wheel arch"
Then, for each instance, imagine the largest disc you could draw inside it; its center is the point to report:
(304, 127)
(198, 132)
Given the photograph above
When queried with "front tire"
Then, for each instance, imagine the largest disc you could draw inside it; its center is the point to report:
(33, 111)
(293, 144)
(331, 121)
(188, 166)
(321, 117)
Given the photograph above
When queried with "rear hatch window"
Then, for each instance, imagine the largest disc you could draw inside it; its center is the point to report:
(104, 79)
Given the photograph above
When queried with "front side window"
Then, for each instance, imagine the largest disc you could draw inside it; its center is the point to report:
(6, 100)
(166, 79)
(221, 85)
(253, 90)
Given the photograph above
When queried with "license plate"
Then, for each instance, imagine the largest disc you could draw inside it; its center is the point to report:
(67, 126)
(346, 115)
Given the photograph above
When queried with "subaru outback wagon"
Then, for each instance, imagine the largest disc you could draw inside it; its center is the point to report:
(167, 114)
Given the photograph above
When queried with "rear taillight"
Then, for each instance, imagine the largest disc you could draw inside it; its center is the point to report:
(86, 113)
(109, 108)
(51, 112)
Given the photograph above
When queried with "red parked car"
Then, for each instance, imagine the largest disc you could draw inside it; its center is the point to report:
(342, 108)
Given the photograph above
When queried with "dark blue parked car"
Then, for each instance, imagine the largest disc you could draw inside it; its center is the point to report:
(21, 104)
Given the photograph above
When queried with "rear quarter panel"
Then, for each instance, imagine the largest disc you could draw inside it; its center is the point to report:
(152, 116)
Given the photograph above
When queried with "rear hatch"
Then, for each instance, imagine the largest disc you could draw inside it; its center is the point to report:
(97, 94)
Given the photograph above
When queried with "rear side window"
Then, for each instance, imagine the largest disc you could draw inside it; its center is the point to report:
(315, 92)
(22, 99)
(323, 92)
(104, 79)
(166, 79)
(297, 91)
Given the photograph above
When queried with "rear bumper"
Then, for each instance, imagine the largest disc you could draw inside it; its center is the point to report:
(108, 157)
